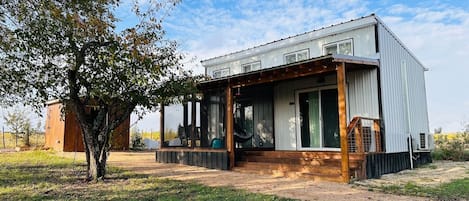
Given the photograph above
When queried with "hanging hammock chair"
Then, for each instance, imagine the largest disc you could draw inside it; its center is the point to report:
(240, 134)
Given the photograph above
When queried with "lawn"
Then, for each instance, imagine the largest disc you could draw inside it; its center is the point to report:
(41, 175)
(455, 190)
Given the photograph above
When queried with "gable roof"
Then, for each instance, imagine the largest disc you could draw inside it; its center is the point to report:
(357, 23)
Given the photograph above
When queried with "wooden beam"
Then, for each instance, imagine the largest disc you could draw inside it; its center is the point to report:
(343, 122)
(273, 75)
(288, 74)
(162, 126)
(358, 138)
(229, 127)
(377, 129)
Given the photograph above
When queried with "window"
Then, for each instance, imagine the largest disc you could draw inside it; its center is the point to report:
(221, 73)
(423, 141)
(251, 66)
(344, 47)
(296, 56)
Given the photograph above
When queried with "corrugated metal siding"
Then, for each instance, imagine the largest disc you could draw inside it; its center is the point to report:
(392, 54)
(284, 108)
(362, 93)
(363, 46)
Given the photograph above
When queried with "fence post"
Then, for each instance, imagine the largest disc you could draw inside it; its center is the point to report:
(3, 137)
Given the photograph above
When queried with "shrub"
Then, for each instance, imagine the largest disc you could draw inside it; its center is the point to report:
(136, 140)
(452, 147)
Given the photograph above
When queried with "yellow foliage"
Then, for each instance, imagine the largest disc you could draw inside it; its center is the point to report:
(155, 135)
(449, 136)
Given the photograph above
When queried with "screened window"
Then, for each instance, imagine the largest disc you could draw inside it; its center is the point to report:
(251, 66)
(343, 47)
(221, 73)
(423, 141)
(296, 56)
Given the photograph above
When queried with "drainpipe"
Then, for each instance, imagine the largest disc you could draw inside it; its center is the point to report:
(410, 152)
(407, 103)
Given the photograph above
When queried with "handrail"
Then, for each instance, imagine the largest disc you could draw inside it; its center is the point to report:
(352, 125)
(361, 140)
(355, 127)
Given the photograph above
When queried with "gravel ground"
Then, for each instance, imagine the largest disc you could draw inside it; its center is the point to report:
(432, 174)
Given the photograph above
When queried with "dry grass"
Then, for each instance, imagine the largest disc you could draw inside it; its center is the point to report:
(9, 141)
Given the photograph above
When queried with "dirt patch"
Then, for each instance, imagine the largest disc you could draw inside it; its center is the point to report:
(284, 187)
(432, 174)
(7, 150)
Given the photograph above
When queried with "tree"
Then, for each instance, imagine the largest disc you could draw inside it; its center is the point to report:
(72, 51)
(19, 123)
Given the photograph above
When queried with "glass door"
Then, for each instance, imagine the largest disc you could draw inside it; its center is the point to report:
(318, 119)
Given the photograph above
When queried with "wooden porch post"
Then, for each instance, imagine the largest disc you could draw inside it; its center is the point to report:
(377, 129)
(343, 122)
(193, 122)
(162, 126)
(229, 126)
(185, 111)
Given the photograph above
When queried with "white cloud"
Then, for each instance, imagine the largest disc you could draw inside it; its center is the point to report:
(435, 32)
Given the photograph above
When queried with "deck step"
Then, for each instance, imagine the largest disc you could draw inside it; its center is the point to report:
(318, 165)
(301, 161)
(283, 167)
(297, 175)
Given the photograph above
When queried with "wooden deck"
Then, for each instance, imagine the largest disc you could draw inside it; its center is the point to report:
(314, 165)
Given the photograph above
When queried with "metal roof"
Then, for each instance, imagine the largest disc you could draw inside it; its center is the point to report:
(325, 61)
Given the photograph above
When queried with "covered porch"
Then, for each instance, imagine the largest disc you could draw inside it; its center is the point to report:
(258, 122)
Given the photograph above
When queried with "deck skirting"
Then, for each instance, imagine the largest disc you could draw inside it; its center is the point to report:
(378, 164)
(202, 158)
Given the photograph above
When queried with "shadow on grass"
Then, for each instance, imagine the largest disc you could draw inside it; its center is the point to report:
(64, 181)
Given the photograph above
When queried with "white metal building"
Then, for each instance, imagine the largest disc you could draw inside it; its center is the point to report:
(343, 101)
(397, 87)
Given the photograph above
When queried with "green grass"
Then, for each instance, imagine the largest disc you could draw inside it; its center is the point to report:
(454, 190)
(41, 175)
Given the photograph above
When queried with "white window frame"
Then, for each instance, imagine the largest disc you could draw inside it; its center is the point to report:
(297, 118)
(296, 53)
(243, 66)
(223, 72)
(336, 44)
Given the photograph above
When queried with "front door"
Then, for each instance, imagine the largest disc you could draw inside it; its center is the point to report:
(318, 119)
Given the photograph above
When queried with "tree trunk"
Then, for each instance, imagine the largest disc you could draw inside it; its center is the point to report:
(97, 147)
(97, 168)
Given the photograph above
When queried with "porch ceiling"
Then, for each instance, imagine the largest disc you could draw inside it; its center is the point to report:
(319, 65)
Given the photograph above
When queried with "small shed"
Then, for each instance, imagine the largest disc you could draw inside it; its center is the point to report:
(64, 134)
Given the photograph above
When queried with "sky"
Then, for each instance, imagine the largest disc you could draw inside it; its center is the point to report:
(436, 31)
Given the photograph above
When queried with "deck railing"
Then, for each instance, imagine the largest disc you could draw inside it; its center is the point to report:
(364, 135)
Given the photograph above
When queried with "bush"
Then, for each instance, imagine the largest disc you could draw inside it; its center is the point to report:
(451, 147)
(136, 140)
